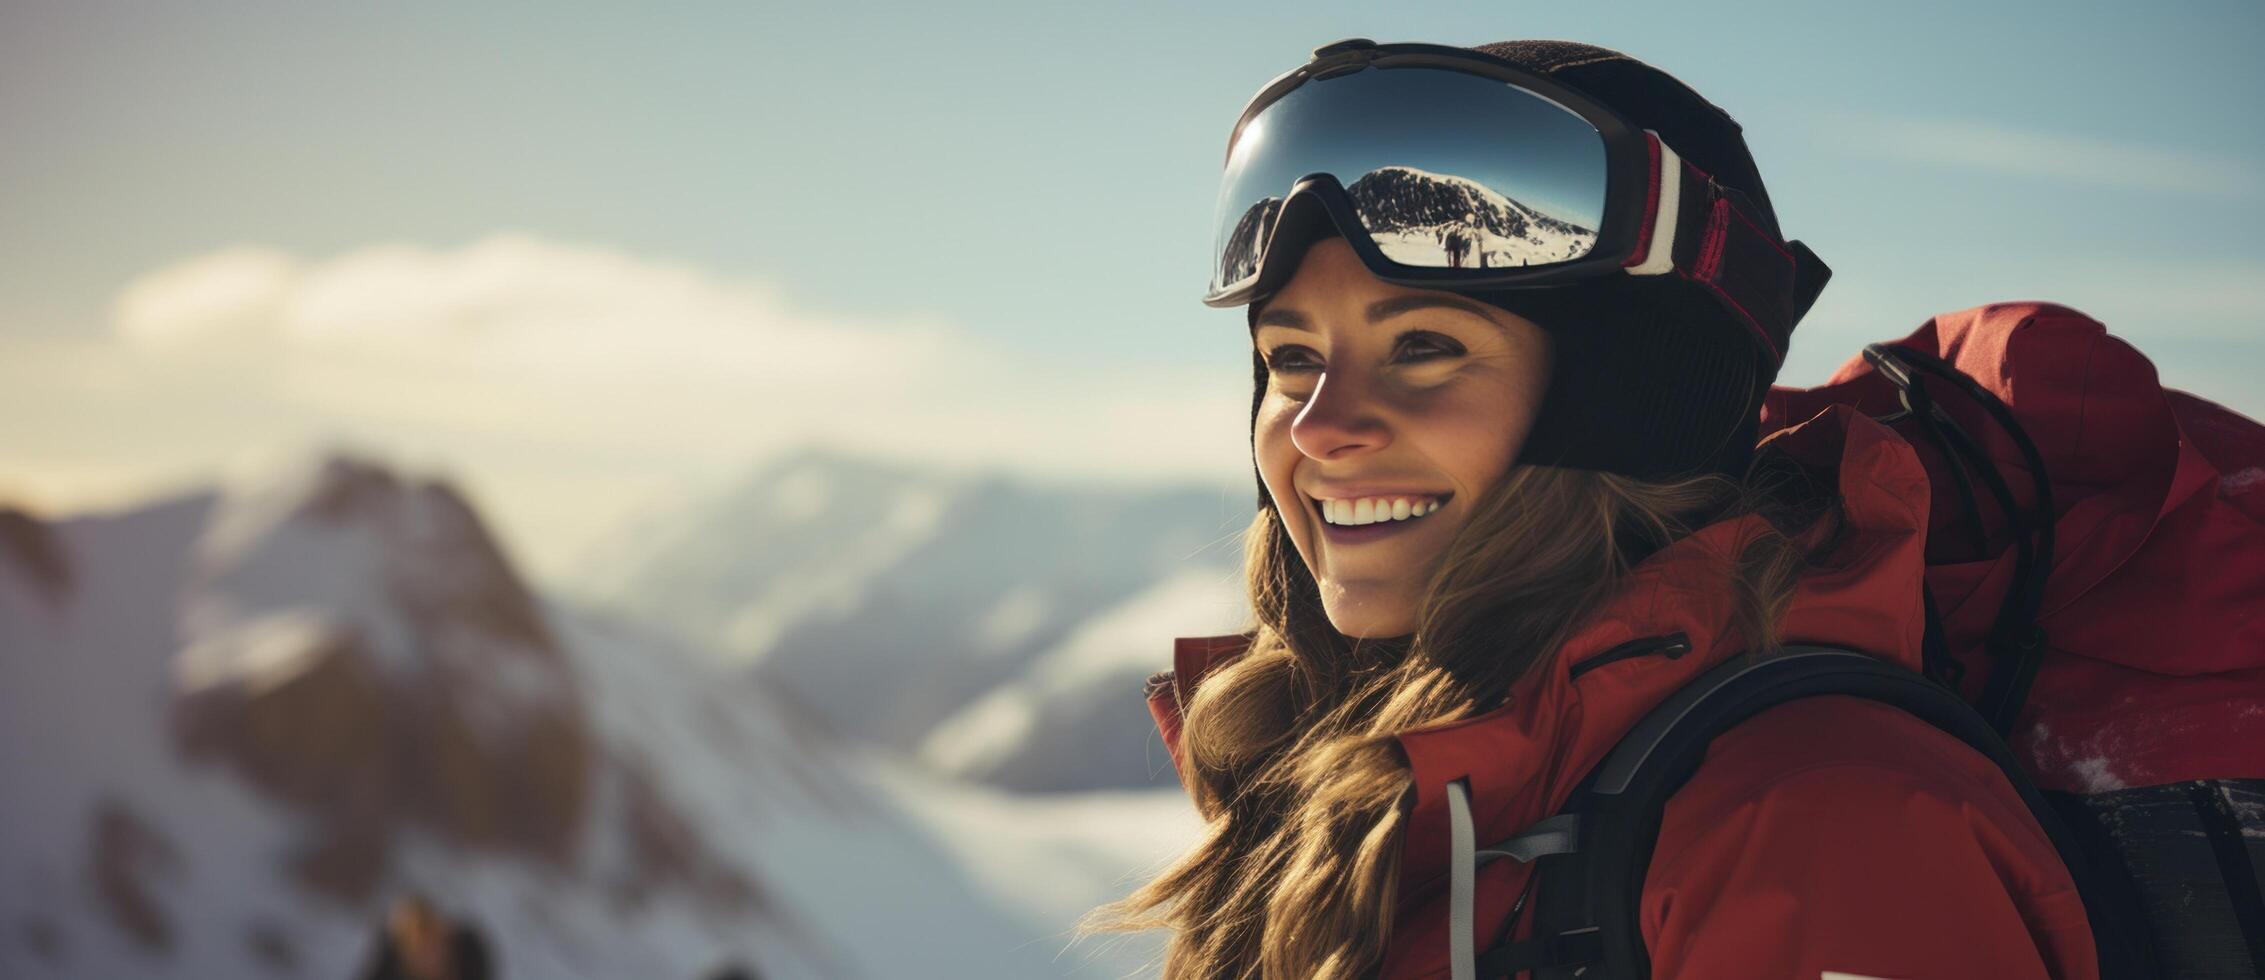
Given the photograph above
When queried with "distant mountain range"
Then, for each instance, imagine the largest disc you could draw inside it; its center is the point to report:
(890, 599)
(233, 724)
(1073, 719)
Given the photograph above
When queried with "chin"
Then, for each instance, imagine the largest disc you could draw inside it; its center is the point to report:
(1369, 622)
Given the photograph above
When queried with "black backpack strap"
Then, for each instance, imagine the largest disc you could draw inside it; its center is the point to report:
(1586, 908)
(2016, 643)
(1934, 646)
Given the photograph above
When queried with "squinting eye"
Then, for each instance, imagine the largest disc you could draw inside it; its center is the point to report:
(1418, 346)
(1292, 359)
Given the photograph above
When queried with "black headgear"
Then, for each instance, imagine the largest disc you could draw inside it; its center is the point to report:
(1652, 378)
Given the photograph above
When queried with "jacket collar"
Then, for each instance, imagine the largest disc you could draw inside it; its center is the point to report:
(1522, 760)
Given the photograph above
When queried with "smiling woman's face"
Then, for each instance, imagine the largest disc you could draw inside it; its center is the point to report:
(1388, 411)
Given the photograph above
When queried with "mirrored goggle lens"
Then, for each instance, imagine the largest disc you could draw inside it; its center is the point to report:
(1445, 170)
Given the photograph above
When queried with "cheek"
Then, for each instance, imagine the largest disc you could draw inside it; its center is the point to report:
(1477, 434)
(1271, 447)
(1277, 457)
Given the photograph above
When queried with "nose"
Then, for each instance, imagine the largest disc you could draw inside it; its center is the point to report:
(1342, 418)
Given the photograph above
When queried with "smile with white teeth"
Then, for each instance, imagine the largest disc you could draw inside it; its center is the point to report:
(1375, 510)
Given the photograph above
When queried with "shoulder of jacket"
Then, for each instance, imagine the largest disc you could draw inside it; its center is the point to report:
(1842, 771)
(1842, 743)
(1839, 833)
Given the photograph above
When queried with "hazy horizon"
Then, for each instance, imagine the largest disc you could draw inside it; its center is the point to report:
(594, 261)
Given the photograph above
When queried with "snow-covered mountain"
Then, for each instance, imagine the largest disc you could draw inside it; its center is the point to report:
(234, 724)
(888, 597)
(1416, 217)
(1074, 719)
(356, 646)
(1433, 220)
(1239, 254)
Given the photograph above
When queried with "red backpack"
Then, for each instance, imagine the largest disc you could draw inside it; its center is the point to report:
(2095, 626)
(2150, 600)
(2096, 568)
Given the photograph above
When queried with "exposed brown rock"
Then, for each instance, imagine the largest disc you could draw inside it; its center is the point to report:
(431, 519)
(472, 730)
(363, 752)
(548, 781)
(484, 592)
(29, 545)
(317, 736)
(126, 852)
(348, 487)
(523, 791)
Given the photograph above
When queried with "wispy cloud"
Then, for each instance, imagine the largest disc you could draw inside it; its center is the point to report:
(2067, 157)
(543, 370)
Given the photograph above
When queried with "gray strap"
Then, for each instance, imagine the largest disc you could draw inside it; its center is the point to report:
(1462, 868)
(1560, 834)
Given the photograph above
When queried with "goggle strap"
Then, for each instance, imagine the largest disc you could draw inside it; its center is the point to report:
(1747, 267)
(1704, 232)
(1655, 247)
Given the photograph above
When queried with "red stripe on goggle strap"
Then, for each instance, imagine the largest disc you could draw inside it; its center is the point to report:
(1651, 205)
(1710, 253)
(1707, 270)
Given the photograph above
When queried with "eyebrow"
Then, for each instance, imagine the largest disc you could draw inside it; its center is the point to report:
(1383, 309)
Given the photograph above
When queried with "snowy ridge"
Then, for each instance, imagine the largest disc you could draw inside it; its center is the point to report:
(824, 574)
(1426, 219)
(1075, 719)
(191, 722)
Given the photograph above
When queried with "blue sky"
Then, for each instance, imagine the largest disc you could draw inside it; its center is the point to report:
(1037, 178)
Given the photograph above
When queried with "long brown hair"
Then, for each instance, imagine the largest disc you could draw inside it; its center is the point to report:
(1289, 750)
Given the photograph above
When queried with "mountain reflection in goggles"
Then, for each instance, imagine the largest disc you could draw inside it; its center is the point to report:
(1445, 169)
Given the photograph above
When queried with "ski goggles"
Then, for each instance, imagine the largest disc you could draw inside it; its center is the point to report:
(1451, 169)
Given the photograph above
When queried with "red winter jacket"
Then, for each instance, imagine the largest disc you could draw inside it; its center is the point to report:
(1829, 835)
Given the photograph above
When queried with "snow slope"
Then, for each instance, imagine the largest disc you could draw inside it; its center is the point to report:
(1413, 213)
(234, 724)
(1426, 219)
(828, 575)
(1075, 718)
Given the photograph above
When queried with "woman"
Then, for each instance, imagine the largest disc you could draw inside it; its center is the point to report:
(1508, 508)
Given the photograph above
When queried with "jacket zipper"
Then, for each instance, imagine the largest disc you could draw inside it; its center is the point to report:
(1671, 646)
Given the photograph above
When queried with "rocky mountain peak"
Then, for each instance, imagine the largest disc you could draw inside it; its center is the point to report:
(355, 642)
